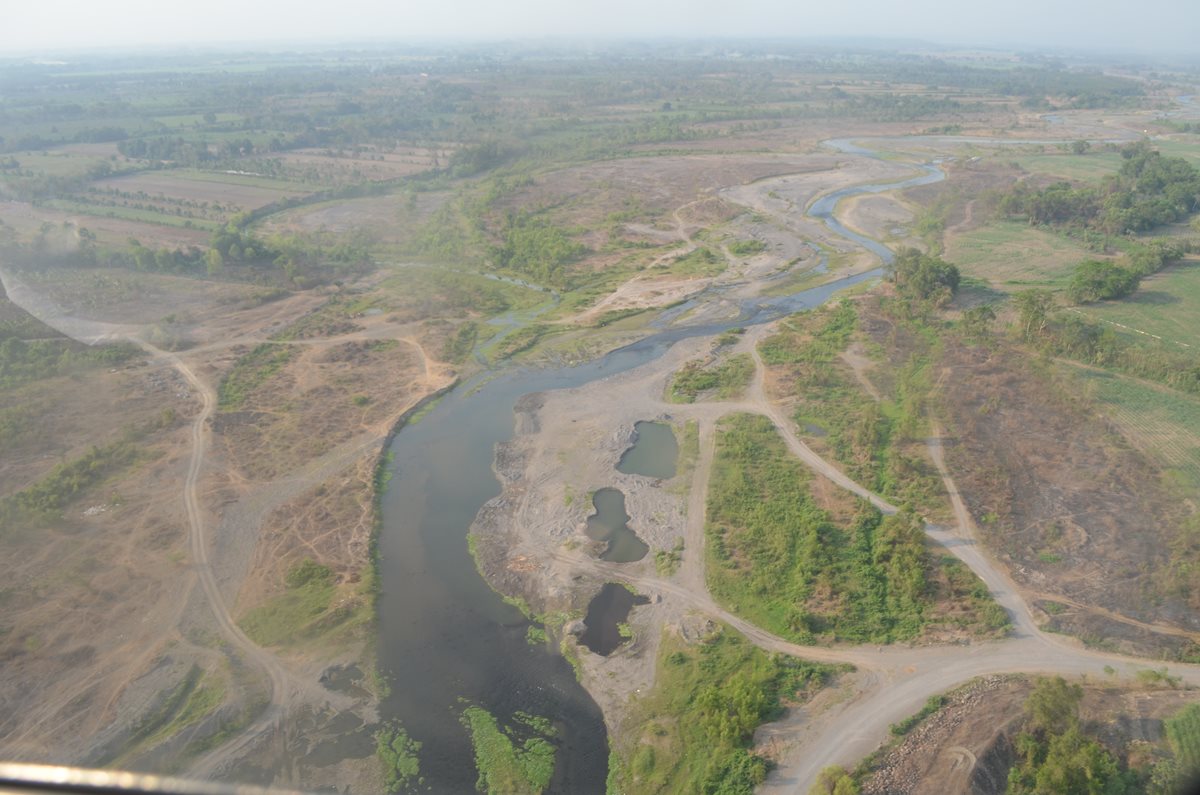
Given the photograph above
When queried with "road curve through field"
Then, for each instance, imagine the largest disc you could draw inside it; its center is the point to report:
(285, 688)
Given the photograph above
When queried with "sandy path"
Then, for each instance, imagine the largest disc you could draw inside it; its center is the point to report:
(892, 682)
(286, 688)
(691, 568)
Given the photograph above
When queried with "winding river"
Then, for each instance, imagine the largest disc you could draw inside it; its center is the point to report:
(446, 639)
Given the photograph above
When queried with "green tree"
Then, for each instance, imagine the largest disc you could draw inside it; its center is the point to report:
(834, 780)
(1053, 706)
(1033, 307)
(977, 322)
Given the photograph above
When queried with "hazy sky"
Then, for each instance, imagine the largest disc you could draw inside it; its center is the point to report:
(1144, 25)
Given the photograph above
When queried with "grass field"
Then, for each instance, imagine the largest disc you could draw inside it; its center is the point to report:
(1162, 423)
(132, 214)
(1188, 150)
(1083, 168)
(57, 163)
(1167, 305)
(1014, 254)
(194, 119)
(237, 189)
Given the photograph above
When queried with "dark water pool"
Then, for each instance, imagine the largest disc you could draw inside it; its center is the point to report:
(607, 611)
(609, 523)
(654, 451)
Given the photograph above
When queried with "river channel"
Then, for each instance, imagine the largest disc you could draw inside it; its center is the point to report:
(446, 640)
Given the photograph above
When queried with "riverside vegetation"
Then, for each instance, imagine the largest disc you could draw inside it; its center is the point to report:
(692, 733)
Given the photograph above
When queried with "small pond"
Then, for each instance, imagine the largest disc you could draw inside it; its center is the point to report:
(606, 612)
(608, 523)
(654, 451)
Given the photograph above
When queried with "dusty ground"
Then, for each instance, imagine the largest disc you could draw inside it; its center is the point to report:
(881, 218)
(389, 220)
(1086, 517)
(567, 446)
(250, 513)
(104, 607)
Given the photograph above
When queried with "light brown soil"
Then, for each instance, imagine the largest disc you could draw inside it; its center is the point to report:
(102, 620)
(387, 219)
(1085, 516)
(880, 217)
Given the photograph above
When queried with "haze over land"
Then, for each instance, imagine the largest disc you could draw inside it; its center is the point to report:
(646, 417)
(1154, 27)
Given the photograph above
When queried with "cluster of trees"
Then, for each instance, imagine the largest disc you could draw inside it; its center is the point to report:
(1056, 752)
(535, 247)
(924, 278)
(197, 151)
(303, 259)
(1053, 752)
(1149, 190)
(1100, 280)
(1072, 336)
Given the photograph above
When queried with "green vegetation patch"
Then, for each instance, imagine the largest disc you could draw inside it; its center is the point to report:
(692, 733)
(1093, 165)
(252, 371)
(296, 613)
(932, 705)
(689, 451)
(398, 755)
(24, 361)
(1159, 421)
(700, 262)
(458, 346)
(778, 559)
(747, 248)
(870, 439)
(666, 561)
(1072, 335)
(781, 561)
(1183, 733)
(1012, 253)
(725, 380)
(515, 760)
(535, 247)
(1055, 754)
(189, 701)
(1167, 306)
(1149, 190)
(45, 500)
(525, 338)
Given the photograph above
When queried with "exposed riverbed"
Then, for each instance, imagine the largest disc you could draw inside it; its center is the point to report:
(445, 638)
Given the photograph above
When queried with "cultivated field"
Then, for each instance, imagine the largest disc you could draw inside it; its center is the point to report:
(1166, 306)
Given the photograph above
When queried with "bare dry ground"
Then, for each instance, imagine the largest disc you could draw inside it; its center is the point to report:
(110, 654)
(389, 220)
(1066, 502)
